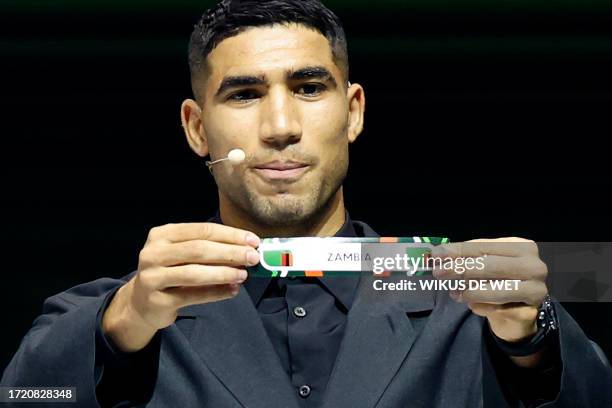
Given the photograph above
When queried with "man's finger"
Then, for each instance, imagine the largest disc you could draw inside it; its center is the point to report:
(529, 292)
(193, 275)
(497, 267)
(186, 296)
(199, 252)
(203, 231)
(478, 248)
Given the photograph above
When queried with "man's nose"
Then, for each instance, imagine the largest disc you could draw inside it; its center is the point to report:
(280, 121)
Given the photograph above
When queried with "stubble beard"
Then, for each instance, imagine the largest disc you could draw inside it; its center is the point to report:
(284, 210)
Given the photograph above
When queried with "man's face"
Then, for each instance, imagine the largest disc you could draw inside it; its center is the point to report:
(276, 93)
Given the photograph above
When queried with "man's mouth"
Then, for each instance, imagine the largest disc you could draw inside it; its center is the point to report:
(281, 170)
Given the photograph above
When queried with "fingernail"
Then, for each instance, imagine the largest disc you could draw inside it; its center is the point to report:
(234, 288)
(440, 271)
(241, 275)
(252, 257)
(252, 240)
(438, 252)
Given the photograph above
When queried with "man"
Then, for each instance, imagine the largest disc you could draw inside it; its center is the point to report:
(190, 328)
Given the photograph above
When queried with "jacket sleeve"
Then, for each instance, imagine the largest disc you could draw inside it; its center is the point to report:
(585, 373)
(586, 377)
(64, 348)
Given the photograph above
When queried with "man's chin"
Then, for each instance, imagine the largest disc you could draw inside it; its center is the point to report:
(283, 198)
(283, 209)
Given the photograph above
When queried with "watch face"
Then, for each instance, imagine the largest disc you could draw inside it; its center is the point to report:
(547, 317)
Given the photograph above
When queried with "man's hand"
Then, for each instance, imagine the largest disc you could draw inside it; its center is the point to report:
(511, 313)
(179, 265)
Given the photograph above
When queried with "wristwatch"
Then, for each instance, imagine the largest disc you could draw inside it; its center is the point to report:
(548, 327)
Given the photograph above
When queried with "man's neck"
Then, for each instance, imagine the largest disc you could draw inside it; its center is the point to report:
(325, 224)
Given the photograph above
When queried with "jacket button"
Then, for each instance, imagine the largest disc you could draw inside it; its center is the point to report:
(304, 391)
(299, 311)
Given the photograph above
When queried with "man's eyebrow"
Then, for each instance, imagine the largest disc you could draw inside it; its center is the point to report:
(238, 81)
(316, 72)
(321, 73)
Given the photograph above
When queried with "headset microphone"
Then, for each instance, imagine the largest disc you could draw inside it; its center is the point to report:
(235, 156)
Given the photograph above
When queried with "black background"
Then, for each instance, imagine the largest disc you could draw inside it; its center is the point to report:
(480, 122)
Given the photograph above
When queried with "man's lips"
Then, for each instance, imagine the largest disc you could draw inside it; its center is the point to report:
(281, 170)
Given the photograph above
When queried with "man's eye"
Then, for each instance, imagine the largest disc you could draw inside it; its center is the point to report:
(311, 89)
(242, 96)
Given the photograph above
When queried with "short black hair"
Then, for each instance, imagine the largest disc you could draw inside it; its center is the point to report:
(230, 17)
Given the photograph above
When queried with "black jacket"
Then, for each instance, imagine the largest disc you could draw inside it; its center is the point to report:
(398, 350)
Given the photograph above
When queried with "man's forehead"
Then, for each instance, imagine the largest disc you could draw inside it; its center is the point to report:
(270, 50)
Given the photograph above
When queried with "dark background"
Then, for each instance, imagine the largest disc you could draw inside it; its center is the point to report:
(483, 119)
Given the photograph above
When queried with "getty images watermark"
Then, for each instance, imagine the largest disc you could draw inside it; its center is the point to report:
(425, 264)
(576, 271)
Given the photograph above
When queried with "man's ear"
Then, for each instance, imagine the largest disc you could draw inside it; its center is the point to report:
(356, 109)
(191, 118)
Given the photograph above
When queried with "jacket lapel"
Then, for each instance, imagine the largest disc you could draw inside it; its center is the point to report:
(231, 339)
(378, 337)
